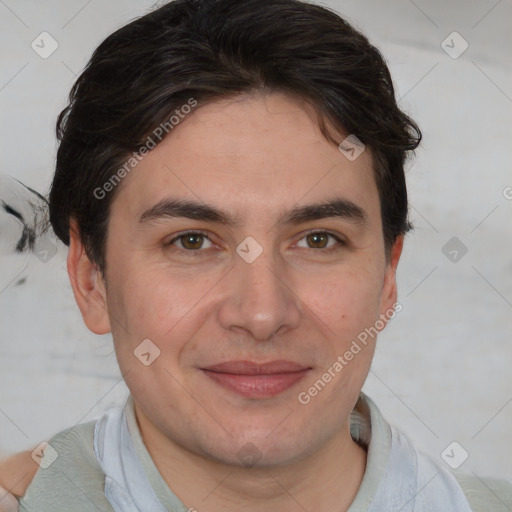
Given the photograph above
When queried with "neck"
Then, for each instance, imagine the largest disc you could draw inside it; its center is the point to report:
(326, 480)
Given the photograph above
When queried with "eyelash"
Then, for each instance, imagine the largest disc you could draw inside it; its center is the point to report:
(197, 252)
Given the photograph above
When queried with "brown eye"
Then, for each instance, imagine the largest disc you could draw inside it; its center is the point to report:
(317, 240)
(189, 242)
(320, 240)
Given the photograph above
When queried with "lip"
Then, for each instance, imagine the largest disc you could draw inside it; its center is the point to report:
(253, 368)
(256, 380)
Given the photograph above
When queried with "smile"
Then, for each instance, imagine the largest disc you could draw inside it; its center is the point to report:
(253, 380)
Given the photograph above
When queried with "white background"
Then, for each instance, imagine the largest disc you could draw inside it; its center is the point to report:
(442, 371)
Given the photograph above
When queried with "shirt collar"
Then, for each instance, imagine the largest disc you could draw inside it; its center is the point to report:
(367, 427)
(370, 430)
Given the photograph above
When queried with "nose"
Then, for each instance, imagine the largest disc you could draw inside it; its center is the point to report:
(258, 297)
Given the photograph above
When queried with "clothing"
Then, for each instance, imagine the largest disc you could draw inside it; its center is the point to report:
(107, 460)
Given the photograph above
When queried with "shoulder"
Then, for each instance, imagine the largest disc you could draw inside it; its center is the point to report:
(69, 477)
(486, 494)
(481, 494)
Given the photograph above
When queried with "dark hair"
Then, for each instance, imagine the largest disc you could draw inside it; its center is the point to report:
(212, 49)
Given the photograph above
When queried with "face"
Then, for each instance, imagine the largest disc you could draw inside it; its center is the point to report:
(243, 279)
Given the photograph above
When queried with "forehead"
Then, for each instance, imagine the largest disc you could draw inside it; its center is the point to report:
(250, 155)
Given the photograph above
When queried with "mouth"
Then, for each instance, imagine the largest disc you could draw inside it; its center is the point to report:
(254, 380)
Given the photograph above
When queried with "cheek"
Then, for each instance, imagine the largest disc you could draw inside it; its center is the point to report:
(346, 300)
(139, 295)
(152, 304)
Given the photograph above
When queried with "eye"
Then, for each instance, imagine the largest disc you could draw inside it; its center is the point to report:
(190, 242)
(319, 240)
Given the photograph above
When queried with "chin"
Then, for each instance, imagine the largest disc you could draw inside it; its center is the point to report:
(257, 447)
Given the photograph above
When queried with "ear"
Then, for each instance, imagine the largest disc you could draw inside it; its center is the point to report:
(389, 289)
(88, 285)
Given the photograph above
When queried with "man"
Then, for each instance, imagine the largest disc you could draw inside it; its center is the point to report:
(230, 184)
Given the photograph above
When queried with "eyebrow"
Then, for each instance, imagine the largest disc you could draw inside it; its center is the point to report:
(179, 207)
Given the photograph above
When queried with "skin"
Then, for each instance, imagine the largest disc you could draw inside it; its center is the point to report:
(254, 156)
(16, 473)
